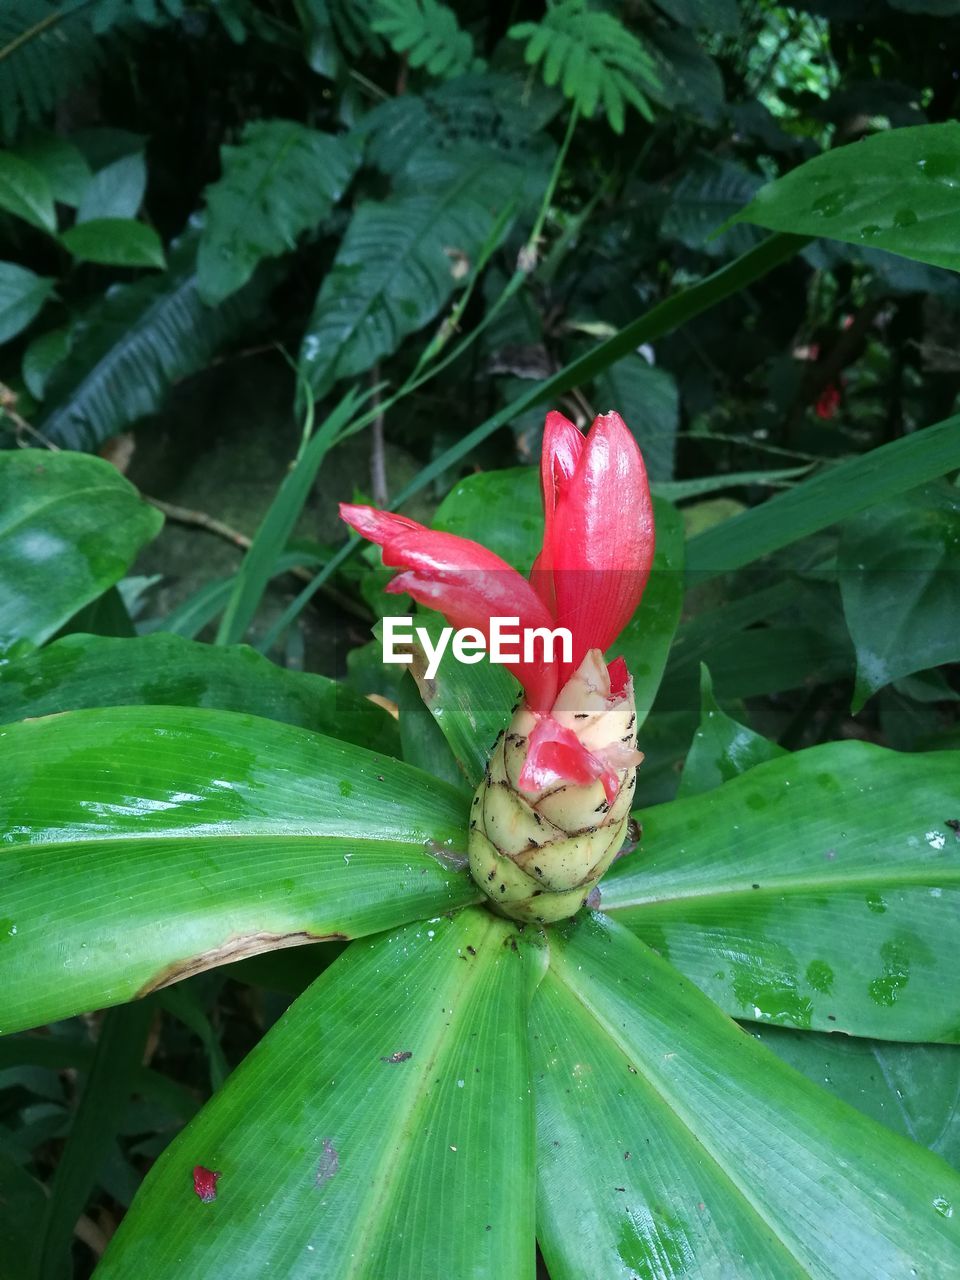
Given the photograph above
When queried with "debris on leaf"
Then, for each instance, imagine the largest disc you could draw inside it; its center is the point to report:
(400, 1056)
(329, 1164)
(205, 1183)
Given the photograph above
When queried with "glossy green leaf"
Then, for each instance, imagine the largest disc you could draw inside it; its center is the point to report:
(42, 357)
(894, 190)
(166, 670)
(900, 582)
(423, 744)
(70, 526)
(913, 1089)
(61, 163)
(115, 242)
(722, 748)
(384, 1127)
(819, 890)
(280, 180)
(705, 1154)
(157, 842)
(25, 192)
(22, 295)
(841, 491)
(116, 190)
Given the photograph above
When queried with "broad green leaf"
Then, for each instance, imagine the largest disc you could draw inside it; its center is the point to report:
(280, 180)
(157, 842)
(900, 581)
(819, 890)
(115, 242)
(722, 748)
(833, 495)
(116, 190)
(70, 526)
(165, 670)
(737, 1165)
(22, 295)
(383, 1127)
(476, 506)
(42, 357)
(913, 1089)
(894, 190)
(647, 400)
(25, 192)
(61, 163)
(132, 345)
(400, 261)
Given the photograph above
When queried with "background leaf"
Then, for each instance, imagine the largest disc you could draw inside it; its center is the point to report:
(70, 528)
(22, 295)
(25, 192)
(722, 749)
(894, 190)
(115, 242)
(280, 180)
(899, 568)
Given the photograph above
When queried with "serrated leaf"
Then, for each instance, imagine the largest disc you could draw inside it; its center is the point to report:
(820, 890)
(708, 193)
(70, 527)
(132, 345)
(395, 268)
(280, 180)
(115, 242)
(25, 192)
(22, 295)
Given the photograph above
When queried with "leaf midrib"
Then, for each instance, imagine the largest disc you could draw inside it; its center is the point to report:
(695, 1138)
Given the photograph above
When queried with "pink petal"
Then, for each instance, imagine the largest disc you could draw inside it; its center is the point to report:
(464, 581)
(602, 539)
(556, 755)
(562, 446)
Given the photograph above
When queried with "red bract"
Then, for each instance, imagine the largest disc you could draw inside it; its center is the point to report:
(589, 576)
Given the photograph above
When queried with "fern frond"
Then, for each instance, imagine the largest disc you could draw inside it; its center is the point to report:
(593, 57)
(428, 33)
(45, 50)
(281, 180)
(132, 345)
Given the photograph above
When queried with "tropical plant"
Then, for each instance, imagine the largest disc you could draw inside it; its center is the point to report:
(264, 1010)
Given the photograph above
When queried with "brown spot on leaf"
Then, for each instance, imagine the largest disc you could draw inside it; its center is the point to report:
(238, 948)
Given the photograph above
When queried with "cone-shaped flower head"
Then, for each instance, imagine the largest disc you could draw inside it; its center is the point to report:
(551, 813)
